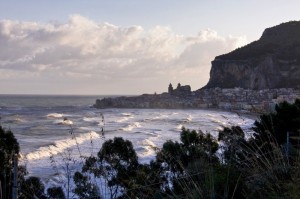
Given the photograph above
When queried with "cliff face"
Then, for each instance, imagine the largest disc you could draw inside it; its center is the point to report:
(271, 62)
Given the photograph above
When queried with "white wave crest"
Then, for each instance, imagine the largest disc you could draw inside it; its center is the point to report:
(60, 145)
(161, 116)
(219, 122)
(67, 122)
(92, 120)
(123, 119)
(148, 148)
(126, 117)
(55, 115)
(188, 119)
(179, 127)
(127, 114)
(147, 142)
(130, 127)
(64, 122)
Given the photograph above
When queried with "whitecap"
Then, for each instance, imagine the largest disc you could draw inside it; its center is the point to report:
(93, 120)
(55, 115)
(60, 145)
(146, 148)
(63, 122)
(161, 116)
(19, 120)
(67, 122)
(130, 127)
(127, 114)
(124, 119)
(188, 119)
(148, 142)
(223, 123)
(179, 127)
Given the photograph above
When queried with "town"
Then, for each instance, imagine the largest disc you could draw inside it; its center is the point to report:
(226, 99)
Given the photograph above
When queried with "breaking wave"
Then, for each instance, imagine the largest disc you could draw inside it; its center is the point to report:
(130, 127)
(60, 145)
(55, 115)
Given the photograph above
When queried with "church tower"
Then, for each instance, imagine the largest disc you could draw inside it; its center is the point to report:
(170, 89)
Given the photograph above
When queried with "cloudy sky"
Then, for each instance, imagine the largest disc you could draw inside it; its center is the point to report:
(124, 46)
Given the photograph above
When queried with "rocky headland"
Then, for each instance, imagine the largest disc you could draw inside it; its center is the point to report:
(271, 62)
(254, 77)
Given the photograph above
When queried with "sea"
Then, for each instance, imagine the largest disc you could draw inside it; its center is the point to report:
(56, 133)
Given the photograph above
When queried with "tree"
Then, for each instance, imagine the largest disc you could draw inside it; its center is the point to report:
(9, 148)
(232, 146)
(185, 163)
(56, 193)
(194, 145)
(116, 163)
(32, 188)
(232, 139)
(286, 118)
(84, 188)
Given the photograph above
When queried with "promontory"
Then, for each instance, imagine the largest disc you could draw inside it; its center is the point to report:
(256, 76)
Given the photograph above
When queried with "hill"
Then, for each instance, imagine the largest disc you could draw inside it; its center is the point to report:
(273, 61)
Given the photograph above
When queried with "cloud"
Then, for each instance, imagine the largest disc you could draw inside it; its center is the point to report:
(113, 59)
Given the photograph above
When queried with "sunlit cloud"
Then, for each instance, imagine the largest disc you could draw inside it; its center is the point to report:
(112, 58)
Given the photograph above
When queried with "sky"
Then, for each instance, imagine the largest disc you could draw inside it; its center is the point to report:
(124, 47)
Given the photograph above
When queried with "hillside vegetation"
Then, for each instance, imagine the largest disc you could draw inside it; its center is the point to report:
(282, 40)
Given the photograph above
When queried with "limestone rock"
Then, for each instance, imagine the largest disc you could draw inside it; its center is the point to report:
(271, 62)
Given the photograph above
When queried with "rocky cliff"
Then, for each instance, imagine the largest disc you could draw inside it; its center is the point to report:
(271, 62)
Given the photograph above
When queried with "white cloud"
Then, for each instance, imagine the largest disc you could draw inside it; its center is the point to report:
(112, 59)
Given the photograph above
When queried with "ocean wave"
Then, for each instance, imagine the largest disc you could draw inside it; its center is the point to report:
(130, 127)
(148, 142)
(127, 114)
(210, 115)
(216, 121)
(55, 115)
(154, 133)
(60, 145)
(67, 122)
(16, 119)
(147, 149)
(179, 127)
(63, 122)
(91, 114)
(126, 117)
(93, 120)
(161, 116)
(188, 119)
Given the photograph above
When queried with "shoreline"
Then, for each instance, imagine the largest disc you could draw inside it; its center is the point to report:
(241, 113)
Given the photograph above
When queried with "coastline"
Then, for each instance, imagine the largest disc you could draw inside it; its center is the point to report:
(250, 103)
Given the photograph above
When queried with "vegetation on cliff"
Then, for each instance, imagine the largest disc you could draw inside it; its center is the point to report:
(282, 40)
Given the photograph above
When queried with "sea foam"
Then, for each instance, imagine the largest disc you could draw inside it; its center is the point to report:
(55, 115)
(130, 127)
(60, 146)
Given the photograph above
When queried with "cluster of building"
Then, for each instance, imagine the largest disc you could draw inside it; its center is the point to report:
(245, 99)
(228, 99)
